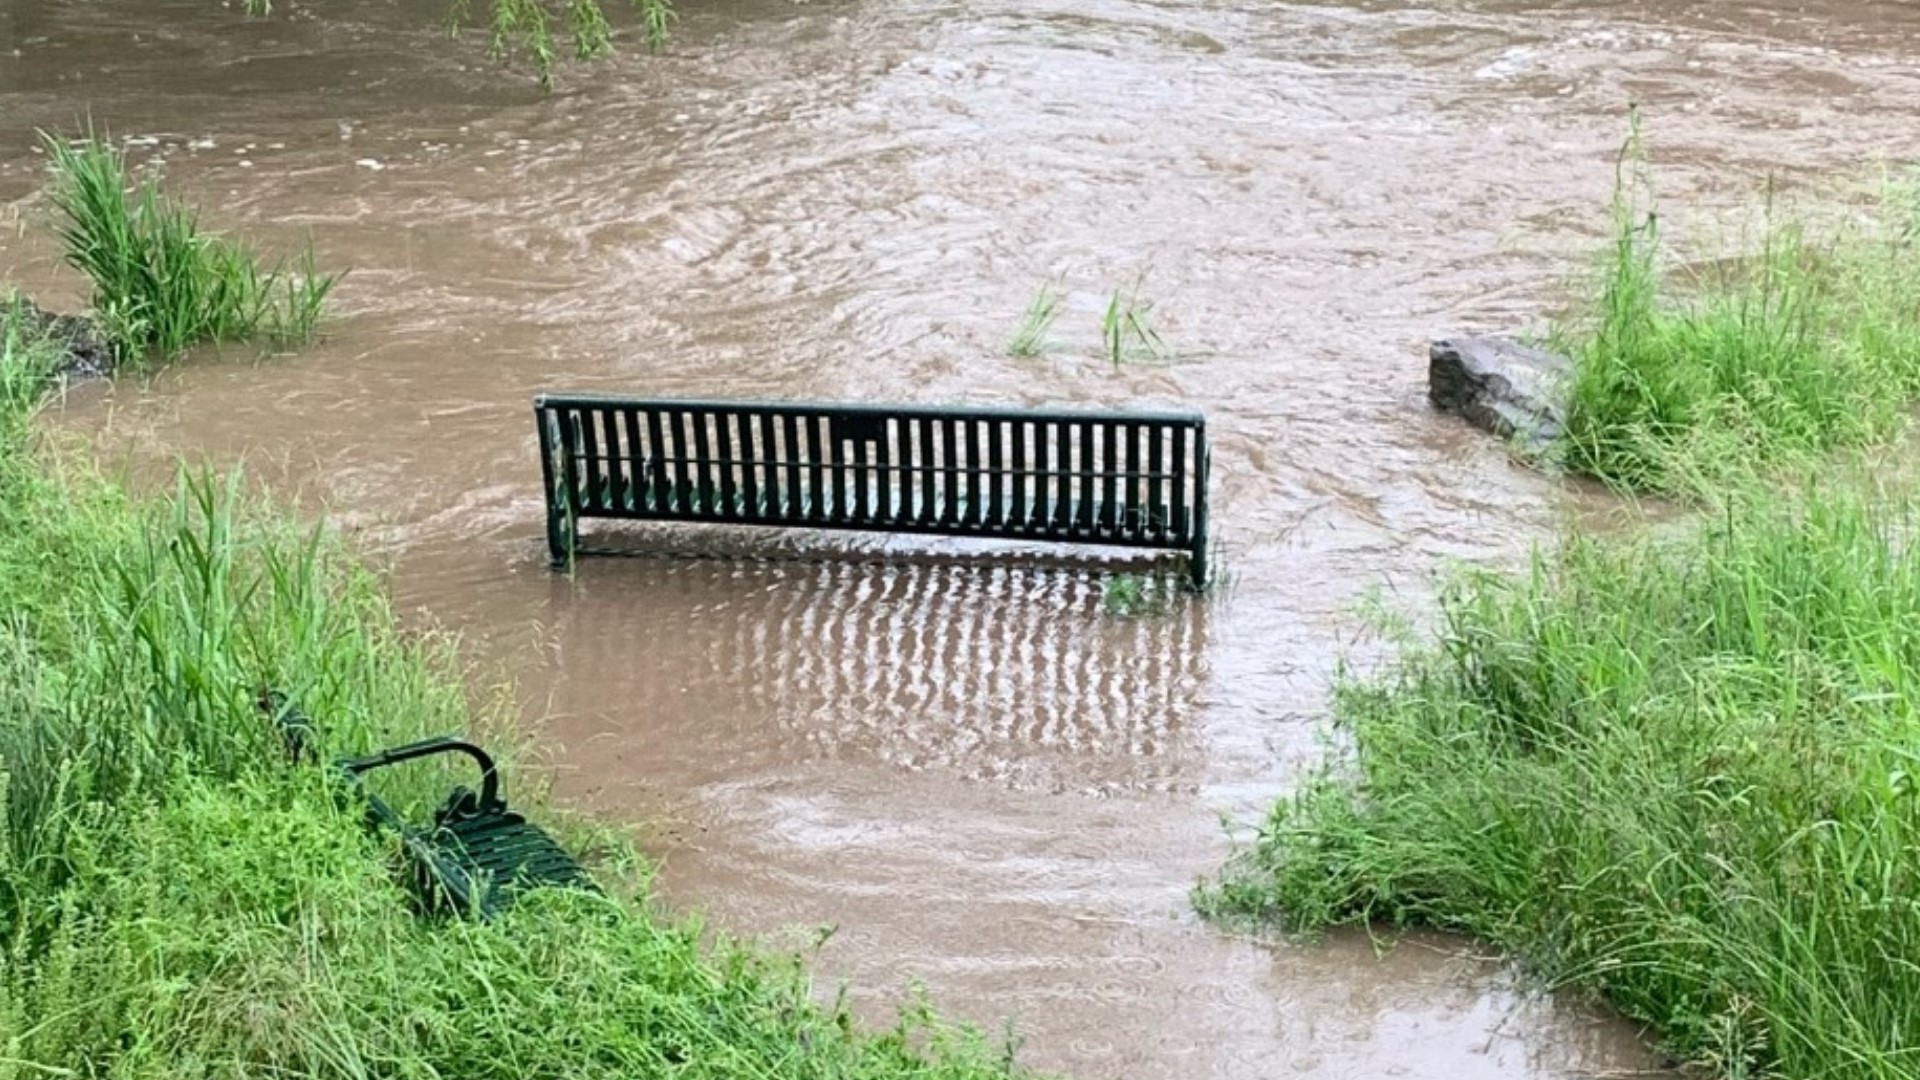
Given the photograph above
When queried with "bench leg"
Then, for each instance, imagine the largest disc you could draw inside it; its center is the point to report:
(560, 542)
(1197, 556)
(559, 447)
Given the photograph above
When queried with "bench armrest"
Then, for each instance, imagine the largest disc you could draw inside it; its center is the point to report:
(444, 744)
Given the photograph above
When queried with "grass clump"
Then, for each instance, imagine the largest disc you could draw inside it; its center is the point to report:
(1677, 772)
(1808, 342)
(1127, 332)
(178, 900)
(160, 284)
(1030, 337)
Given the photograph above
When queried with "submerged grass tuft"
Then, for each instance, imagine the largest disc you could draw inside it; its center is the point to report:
(1030, 338)
(1679, 772)
(1807, 342)
(1127, 330)
(160, 284)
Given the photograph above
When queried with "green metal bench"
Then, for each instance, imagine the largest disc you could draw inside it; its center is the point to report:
(1122, 479)
(477, 855)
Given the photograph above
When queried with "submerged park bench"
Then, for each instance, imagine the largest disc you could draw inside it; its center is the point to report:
(1120, 479)
(477, 855)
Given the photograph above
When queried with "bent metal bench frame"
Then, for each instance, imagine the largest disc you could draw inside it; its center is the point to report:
(1123, 479)
(477, 856)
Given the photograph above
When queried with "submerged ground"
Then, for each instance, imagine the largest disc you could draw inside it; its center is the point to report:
(985, 782)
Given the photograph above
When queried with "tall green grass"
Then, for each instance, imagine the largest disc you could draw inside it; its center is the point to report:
(161, 284)
(1676, 771)
(1804, 340)
(178, 900)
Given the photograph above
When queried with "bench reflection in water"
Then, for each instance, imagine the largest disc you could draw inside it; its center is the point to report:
(720, 669)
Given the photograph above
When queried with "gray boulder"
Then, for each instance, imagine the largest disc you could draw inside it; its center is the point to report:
(1510, 389)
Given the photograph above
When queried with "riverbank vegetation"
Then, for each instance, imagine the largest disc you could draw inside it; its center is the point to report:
(178, 899)
(1804, 340)
(1674, 767)
(1678, 772)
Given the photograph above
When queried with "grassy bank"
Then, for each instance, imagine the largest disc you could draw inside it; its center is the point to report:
(1799, 339)
(176, 900)
(1676, 772)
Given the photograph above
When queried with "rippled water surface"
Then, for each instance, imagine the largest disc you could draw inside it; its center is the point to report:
(984, 781)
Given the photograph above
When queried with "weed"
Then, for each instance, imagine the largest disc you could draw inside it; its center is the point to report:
(161, 285)
(1030, 339)
(1126, 327)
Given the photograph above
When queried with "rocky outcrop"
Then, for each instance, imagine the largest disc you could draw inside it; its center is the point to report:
(89, 352)
(1510, 389)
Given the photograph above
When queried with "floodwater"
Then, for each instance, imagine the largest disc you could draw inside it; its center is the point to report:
(981, 780)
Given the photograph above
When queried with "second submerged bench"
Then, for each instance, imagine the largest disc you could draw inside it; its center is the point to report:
(1123, 479)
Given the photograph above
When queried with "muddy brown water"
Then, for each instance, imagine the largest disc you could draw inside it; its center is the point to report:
(983, 781)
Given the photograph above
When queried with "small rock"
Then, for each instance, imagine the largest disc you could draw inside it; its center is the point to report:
(90, 354)
(1501, 386)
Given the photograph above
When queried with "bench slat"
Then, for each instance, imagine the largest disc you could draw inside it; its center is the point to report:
(637, 459)
(1019, 509)
(1084, 472)
(1178, 506)
(723, 466)
(706, 471)
(590, 457)
(865, 505)
(950, 476)
(812, 494)
(1157, 462)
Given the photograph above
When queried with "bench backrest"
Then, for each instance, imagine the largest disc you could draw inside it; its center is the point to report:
(1125, 478)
